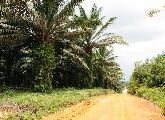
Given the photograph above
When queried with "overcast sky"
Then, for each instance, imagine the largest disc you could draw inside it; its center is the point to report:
(145, 35)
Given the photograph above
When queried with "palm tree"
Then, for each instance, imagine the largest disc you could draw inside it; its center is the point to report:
(97, 37)
(106, 71)
(46, 21)
(42, 23)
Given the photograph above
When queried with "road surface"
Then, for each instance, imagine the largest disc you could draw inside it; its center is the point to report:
(111, 107)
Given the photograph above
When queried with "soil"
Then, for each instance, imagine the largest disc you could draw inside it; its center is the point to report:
(111, 107)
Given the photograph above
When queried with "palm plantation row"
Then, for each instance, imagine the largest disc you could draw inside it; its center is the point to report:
(46, 44)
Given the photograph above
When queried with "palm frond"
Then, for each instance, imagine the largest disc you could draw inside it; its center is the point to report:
(76, 58)
(68, 9)
(82, 12)
(75, 34)
(109, 41)
(44, 20)
(103, 28)
(77, 50)
(151, 13)
(95, 12)
(10, 36)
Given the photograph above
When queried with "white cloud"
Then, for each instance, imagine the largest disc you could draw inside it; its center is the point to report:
(138, 51)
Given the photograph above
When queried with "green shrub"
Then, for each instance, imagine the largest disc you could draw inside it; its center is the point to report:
(149, 74)
(140, 92)
(44, 64)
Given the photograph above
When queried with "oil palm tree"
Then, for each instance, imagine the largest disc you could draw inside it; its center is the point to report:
(46, 21)
(106, 71)
(97, 37)
(42, 23)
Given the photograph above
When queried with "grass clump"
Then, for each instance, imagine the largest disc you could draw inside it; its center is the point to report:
(32, 106)
(156, 95)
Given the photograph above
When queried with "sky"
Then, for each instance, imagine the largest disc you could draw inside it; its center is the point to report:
(145, 35)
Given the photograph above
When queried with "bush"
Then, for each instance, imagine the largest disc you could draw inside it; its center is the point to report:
(140, 92)
(44, 64)
(149, 74)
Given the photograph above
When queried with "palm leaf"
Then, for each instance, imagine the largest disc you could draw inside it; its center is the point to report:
(82, 12)
(103, 28)
(109, 41)
(76, 58)
(10, 36)
(77, 50)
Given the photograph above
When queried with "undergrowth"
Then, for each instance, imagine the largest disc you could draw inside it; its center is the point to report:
(156, 95)
(32, 106)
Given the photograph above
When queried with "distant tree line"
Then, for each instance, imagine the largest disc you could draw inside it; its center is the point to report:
(46, 44)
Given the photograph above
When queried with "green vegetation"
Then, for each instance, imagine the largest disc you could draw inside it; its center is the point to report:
(156, 95)
(96, 43)
(46, 44)
(28, 105)
(44, 65)
(148, 80)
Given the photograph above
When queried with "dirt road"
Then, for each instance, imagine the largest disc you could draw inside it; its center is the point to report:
(112, 107)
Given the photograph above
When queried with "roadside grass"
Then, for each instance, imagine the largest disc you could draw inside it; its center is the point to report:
(156, 95)
(22, 105)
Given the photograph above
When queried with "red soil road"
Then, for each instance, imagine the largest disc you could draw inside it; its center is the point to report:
(111, 107)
